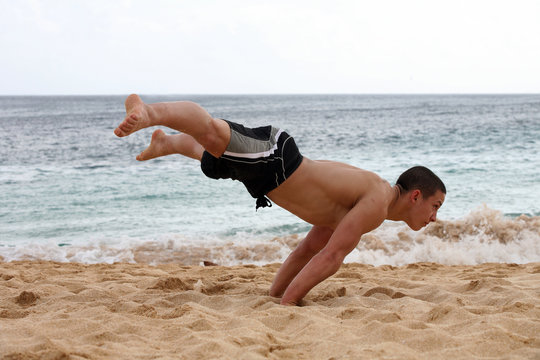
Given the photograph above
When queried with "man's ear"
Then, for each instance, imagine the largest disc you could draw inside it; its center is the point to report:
(415, 195)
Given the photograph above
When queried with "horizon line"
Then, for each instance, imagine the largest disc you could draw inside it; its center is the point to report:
(278, 94)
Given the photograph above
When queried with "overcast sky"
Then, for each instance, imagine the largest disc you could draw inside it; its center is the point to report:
(245, 47)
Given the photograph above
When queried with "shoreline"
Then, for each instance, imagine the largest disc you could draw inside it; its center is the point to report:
(139, 311)
(482, 236)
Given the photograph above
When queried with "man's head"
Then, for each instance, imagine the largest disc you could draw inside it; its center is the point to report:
(421, 178)
(425, 193)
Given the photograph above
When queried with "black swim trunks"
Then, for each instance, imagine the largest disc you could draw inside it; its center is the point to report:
(261, 158)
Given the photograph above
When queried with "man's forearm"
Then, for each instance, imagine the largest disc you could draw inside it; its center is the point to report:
(315, 241)
(319, 268)
(290, 268)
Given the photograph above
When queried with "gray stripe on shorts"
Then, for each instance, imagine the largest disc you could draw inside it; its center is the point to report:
(246, 145)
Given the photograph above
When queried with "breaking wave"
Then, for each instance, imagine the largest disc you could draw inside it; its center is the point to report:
(484, 235)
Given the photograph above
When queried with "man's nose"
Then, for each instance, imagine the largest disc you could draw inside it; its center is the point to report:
(433, 217)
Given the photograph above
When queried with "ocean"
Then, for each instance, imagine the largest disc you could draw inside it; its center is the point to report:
(70, 190)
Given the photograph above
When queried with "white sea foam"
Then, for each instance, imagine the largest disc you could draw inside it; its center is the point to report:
(484, 235)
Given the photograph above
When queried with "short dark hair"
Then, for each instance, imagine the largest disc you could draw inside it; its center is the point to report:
(421, 178)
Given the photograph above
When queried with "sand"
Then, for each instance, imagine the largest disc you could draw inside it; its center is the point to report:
(54, 310)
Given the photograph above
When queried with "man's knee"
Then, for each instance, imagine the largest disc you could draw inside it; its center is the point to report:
(216, 139)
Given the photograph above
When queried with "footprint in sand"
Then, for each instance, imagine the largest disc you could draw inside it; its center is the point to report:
(340, 292)
(200, 325)
(146, 310)
(385, 291)
(172, 283)
(352, 313)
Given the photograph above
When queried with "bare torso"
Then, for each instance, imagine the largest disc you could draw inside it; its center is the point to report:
(323, 192)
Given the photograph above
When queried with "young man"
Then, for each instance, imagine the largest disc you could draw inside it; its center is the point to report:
(342, 202)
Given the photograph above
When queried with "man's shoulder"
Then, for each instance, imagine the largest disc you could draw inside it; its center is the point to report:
(340, 176)
(333, 164)
(376, 196)
(330, 168)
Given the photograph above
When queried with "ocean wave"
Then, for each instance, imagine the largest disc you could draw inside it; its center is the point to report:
(484, 235)
(163, 250)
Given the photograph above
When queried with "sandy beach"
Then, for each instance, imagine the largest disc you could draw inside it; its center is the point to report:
(54, 310)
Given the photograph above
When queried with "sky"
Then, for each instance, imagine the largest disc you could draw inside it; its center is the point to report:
(73, 47)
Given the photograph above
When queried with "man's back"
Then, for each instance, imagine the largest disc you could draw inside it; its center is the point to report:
(323, 192)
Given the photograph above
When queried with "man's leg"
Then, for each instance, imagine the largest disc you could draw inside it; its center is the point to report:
(163, 144)
(314, 242)
(184, 116)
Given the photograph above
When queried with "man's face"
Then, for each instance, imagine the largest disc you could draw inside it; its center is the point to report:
(424, 210)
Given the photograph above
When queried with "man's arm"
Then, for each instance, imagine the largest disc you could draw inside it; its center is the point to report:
(314, 242)
(362, 218)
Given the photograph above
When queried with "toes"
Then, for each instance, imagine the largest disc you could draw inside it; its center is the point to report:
(126, 126)
(146, 154)
(141, 156)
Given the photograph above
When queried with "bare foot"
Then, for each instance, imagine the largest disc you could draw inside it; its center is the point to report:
(159, 146)
(137, 117)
